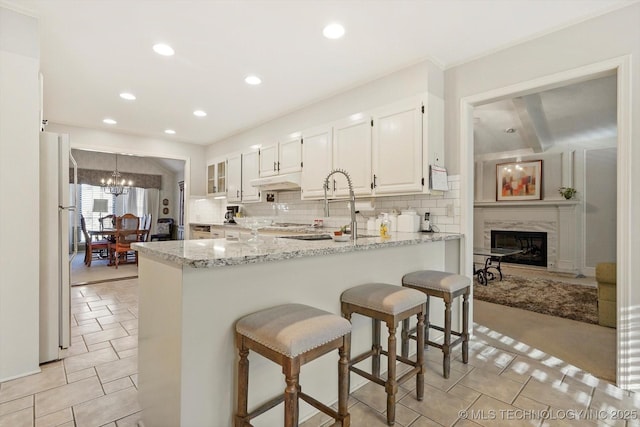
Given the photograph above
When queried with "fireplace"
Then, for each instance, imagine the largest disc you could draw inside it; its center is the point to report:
(532, 243)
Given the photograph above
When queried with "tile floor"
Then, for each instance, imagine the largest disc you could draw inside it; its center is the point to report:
(96, 383)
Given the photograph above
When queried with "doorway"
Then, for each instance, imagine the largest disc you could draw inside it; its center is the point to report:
(620, 67)
(155, 192)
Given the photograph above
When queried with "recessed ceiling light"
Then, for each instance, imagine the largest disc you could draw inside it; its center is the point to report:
(253, 80)
(333, 31)
(199, 113)
(109, 121)
(128, 96)
(170, 131)
(163, 49)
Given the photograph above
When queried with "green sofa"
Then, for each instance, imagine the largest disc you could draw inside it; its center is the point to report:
(606, 278)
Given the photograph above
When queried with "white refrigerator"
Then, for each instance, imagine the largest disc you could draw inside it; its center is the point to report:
(58, 242)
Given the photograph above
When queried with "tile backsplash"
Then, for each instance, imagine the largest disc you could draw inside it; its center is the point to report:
(443, 207)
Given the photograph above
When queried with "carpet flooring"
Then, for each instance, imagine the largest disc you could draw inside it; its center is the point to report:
(542, 295)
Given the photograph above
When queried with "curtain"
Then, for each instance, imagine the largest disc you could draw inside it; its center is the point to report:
(152, 206)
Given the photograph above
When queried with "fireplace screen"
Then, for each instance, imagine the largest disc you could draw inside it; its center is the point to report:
(533, 245)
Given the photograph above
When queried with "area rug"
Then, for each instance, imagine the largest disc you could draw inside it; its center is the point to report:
(544, 296)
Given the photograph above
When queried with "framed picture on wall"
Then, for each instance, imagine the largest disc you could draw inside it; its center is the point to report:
(519, 181)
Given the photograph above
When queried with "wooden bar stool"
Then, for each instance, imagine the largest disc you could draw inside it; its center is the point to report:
(292, 335)
(390, 304)
(447, 286)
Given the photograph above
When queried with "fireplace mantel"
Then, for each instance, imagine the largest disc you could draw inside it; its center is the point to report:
(527, 203)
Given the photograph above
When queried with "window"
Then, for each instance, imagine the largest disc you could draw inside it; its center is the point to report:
(87, 195)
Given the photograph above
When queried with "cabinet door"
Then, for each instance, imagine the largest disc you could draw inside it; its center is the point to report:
(221, 176)
(317, 153)
(211, 179)
(250, 171)
(269, 160)
(234, 178)
(397, 148)
(289, 155)
(352, 153)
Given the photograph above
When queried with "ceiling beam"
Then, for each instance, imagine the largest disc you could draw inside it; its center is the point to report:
(534, 121)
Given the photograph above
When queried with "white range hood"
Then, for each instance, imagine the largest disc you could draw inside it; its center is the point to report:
(289, 181)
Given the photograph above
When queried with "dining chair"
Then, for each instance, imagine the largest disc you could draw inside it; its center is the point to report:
(90, 245)
(107, 221)
(127, 232)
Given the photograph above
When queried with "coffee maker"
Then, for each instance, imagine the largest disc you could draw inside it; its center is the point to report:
(230, 214)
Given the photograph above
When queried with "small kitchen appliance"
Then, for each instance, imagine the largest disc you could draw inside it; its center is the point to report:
(426, 223)
(229, 216)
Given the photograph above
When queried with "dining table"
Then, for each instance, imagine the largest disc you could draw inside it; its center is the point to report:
(109, 234)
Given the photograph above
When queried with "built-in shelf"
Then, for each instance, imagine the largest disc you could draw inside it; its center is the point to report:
(529, 203)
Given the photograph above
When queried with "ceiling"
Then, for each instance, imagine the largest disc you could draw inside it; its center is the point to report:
(577, 114)
(93, 50)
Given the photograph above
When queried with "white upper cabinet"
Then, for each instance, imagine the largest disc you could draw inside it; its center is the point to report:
(216, 178)
(234, 178)
(290, 155)
(352, 153)
(250, 171)
(283, 157)
(397, 148)
(317, 154)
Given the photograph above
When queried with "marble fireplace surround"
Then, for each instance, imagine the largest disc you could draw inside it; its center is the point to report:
(559, 219)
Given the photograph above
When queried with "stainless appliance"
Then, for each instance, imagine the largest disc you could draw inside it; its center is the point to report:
(229, 216)
(58, 242)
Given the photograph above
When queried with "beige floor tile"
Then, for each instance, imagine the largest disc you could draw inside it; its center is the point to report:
(108, 408)
(21, 387)
(488, 411)
(99, 346)
(435, 378)
(464, 393)
(557, 394)
(128, 353)
(22, 418)
(528, 404)
(16, 405)
(130, 421)
(92, 314)
(107, 335)
(425, 422)
(76, 347)
(117, 385)
(492, 384)
(81, 375)
(134, 378)
(404, 415)
(120, 316)
(439, 406)
(50, 401)
(56, 418)
(489, 358)
(80, 308)
(522, 368)
(125, 343)
(87, 322)
(375, 396)
(364, 416)
(100, 304)
(464, 423)
(87, 360)
(92, 326)
(130, 324)
(117, 369)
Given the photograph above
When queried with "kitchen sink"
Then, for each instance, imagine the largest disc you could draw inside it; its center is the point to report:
(309, 237)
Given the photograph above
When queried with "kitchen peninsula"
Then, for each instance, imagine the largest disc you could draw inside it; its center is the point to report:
(192, 292)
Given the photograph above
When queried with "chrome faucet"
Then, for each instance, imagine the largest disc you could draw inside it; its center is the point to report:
(352, 197)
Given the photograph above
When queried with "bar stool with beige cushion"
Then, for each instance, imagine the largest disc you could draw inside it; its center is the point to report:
(292, 335)
(390, 304)
(447, 286)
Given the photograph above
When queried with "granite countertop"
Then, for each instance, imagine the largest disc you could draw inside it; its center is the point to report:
(208, 253)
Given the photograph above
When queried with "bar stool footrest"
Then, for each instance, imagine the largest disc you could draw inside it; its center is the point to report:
(320, 406)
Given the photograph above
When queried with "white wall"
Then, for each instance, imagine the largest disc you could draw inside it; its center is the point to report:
(603, 38)
(402, 84)
(19, 193)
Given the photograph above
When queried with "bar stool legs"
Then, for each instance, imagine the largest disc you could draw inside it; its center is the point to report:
(447, 286)
(389, 304)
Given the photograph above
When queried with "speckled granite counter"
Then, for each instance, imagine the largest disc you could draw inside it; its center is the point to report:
(191, 293)
(220, 252)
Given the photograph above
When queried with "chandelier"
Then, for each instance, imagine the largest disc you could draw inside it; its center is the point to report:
(116, 185)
